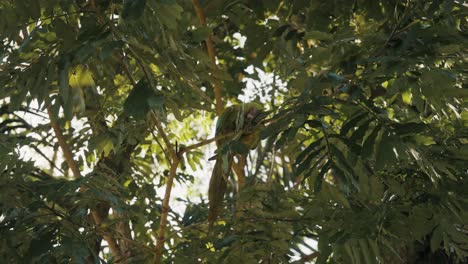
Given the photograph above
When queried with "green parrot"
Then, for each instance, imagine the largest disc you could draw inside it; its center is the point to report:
(243, 122)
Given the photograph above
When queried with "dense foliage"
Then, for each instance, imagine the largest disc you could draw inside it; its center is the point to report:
(363, 158)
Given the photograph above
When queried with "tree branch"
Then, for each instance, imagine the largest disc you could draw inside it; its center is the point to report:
(174, 161)
(76, 173)
(170, 180)
(164, 211)
(309, 257)
(63, 145)
(204, 142)
(210, 49)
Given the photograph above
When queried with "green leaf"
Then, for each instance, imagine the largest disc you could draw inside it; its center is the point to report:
(141, 100)
(375, 249)
(385, 153)
(65, 32)
(365, 251)
(410, 128)
(133, 9)
(324, 248)
(311, 170)
(227, 241)
(359, 134)
(369, 143)
(307, 150)
(352, 123)
(64, 87)
(318, 35)
(41, 245)
(320, 176)
(200, 34)
(239, 148)
(103, 143)
(225, 162)
(169, 14)
(156, 103)
(109, 48)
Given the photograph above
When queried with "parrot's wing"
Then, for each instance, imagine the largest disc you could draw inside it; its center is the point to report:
(224, 119)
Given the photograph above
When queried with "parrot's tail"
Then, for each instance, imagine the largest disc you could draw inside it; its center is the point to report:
(216, 191)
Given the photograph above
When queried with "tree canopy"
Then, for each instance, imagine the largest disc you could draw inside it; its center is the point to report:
(106, 104)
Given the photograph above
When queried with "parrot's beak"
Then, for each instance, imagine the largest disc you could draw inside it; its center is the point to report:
(260, 117)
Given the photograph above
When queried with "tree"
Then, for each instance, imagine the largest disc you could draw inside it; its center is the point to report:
(364, 149)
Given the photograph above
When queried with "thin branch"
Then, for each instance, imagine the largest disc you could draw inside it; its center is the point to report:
(170, 148)
(309, 257)
(210, 49)
(194, 226)
(142, 66)
(204, 142)
(51, 162)
(76, 173)
(164, 211)
(173, 153)
(395, 27)
(127, 71)
(63, 145)
(53, 16)
(114, 248)
(172, 158)
(160, 145)
(174, 161)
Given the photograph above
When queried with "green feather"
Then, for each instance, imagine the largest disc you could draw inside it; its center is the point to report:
(242, 121)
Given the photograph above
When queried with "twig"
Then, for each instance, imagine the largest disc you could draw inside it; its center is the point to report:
(51, 162)
(127, 71)
(210, 49)
(160, 145)
(188, 227)
(54, 16)
(167, 142)
(397, 24)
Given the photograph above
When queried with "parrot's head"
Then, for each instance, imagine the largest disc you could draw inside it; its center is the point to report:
(252, 113)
